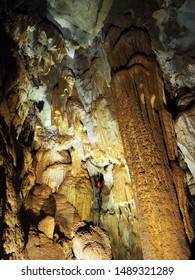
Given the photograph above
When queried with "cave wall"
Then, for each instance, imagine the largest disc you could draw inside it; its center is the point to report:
(64, 121)
(76, 101)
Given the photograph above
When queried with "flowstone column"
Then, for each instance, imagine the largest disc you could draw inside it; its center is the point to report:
(149, 146)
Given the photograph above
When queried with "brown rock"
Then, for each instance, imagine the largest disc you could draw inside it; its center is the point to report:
(79, 191)
(47, 226)
(67, 246)
(135, 40)
(39, 200)
(40, 247)
(138, 101)
(91, 243)
(66, 216)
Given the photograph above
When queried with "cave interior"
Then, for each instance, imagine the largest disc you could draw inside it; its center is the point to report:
(97, 130)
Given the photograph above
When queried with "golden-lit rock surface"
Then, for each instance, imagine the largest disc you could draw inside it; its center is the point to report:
(75, 104)
(79, 192)
(181, 190)
(137, 89)
(38, 199)
(46, 225)
(40, 247)
(66, 216)
(123, 225)
(91, 243)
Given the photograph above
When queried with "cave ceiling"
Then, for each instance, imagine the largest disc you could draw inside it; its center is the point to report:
(97, 87)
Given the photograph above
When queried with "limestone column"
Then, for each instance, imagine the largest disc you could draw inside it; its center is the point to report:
(137, 94)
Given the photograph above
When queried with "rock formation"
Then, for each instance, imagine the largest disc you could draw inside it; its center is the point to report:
(94, 87)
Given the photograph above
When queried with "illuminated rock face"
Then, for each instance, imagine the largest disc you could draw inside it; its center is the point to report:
(84, 19)
(146, 129)
(91, 243)
(185, 122)
(69, 112)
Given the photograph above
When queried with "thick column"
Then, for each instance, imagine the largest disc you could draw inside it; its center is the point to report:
(136, 92)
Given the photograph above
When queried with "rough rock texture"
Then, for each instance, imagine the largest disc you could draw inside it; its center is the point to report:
(10, 163)
(76, 100)
(142, 122)
(69, 133)
(66, 215)
(170, 25)
(40, 247)
(91, 243)
(84, 19)
(37, 197)
(47, 226)
(185, 124)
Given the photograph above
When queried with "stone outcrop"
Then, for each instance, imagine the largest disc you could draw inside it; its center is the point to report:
(84, 19)
(40, 247)
(47, 225)
(184, 124)
(91, 243)
(170, 25)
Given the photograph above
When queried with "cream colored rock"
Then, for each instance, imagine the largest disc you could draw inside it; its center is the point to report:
(67, 246)
(91, 243)
(79, 194)
(46, 158)
(185, 131)
(54, 175)
(47, 226)
(120, 221)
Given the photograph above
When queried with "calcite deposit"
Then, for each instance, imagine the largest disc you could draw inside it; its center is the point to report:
(96, 87)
